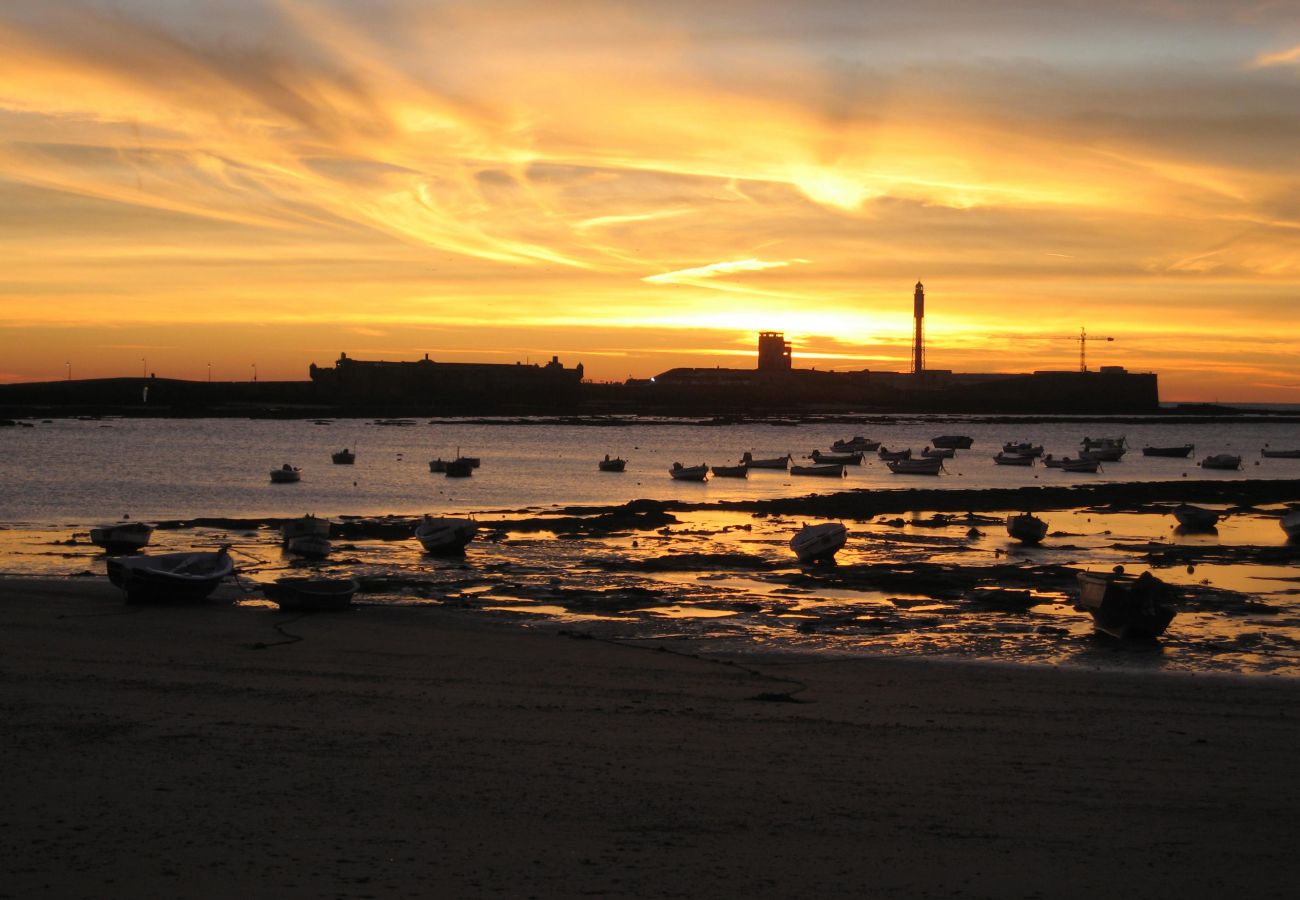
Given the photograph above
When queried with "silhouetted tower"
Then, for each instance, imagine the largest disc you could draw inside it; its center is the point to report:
(773, 352)
(918, 336)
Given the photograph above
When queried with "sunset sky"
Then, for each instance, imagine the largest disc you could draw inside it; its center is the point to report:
(638, 186)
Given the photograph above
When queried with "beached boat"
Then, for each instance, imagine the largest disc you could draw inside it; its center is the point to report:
(1013, 459)
(1080, 465)
(818, 543)
(930, 465)
(939, 452)
(776, 462)
(689, 473)
(309, 546)
(1221, 461)
(344, 457)
(1026, 528)
(1022, 448)
(953, 441)
(1196, 518)
(286, 474)
(1290, 523)
(617, 464)
(170, 577)
(833, 470)
(852, 458)
(857, 444)
(122, 537)
(1183, 451)
(886, 454)
(312, 594)
(1125, 606)
(445, 535)
(304, 525)
(740, 471)
(1279, 454)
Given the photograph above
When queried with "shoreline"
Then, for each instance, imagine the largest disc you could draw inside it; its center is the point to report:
(206, 750)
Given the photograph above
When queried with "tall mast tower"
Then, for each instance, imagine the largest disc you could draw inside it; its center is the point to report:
(918, 336)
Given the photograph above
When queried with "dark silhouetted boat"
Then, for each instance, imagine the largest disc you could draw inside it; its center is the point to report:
(1125, 606)
(302, 526)
(886, 454)
(930, 465)
(741, 471)
(953, 441)
(617, 464)
(856, 444)
(776, 462)
(1290, 523)
(1221, 461)
(1013, 459)
(939, 452)
(458, 468)
(445, 535)
(312, 594)
(850, 458)
(344, 457)
(819, 543)
(286, 474)
(689, 473)
(1026, 528)
(833, 470)
(309, 546)
(1022, 448)
(1196, 518)
(122, 537)
(1279, 454)
(1182, 451)
(170, 577)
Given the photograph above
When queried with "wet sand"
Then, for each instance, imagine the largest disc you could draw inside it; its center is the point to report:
(217, 750)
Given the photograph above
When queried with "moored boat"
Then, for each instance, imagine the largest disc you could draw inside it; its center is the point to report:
(1022, 448)
(817, 543)
(344, 457)
(850, 458)
(930, 465)
(1091, 443)
(1221, 461)
(438, 465)
(312, 594)
(286, 474)
(1290, 523)
(170, 577)
(1108, 453)
(1279, 454)
(309, 546)
(1196, 518)
(1026, 528)
(832, 470)
(458, 468)
(1080, 465)
(886, 454)
(776, 462)
(857, 443)
(689, 473)
(939, 452)
(1013, 459)
(953, 441)
(122, 537)
(1125, 606)
(1183, 451)
(445, 535)
(740, 471)
(616, 464)
(304, 525)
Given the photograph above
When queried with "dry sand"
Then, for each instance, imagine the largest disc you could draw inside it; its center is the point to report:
(421, 752)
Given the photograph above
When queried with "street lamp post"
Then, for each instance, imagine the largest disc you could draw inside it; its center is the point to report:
(254, 371)
(144, 367)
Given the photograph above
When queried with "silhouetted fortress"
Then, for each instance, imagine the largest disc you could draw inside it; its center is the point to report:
(467, 385)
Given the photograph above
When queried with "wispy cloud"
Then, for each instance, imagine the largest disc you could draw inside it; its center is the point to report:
(715, 270)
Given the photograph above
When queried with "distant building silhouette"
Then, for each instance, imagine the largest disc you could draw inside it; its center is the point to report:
(918, 333)
(773, 352)
(450, 384)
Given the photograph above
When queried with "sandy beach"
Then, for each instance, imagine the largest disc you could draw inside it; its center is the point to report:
(217, 750)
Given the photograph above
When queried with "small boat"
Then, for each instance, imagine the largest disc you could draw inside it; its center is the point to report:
(850, 458)
(1109, 453)
(776, 462)
(344, 457)
(472, 461)
(445, 535)
(930, 465)
(817, 543)
(170, 577)
(1183, 451)
(1290, 523)
(1091, 443)
(1023, 448)
(1085, 464)
(309, 546)
(302, 526)
(953, 441)
(740, 471)
(1054, 462)
(1221, 461)
(886, 454)
(689, 473)
(123, 537)
(312, 594)
(458, 468)
(1013, 459)
(939, 452)
(832, 470)
(438, 465)
(1279, 454)
(1026, 528)
(286, 474)
(857, 444)
(617, 464)
(1125, 606)
(1195, 518)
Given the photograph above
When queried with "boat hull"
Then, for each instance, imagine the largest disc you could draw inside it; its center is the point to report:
(730, 472)
(1224, 461)
(612, 465)
(312, 594)
(680, 472)
(169, 577)
(1290, 523)
(953, 441)
(445, 536)
(835, 470)
(1026, 528)
(125, 538)
(1194, 518)
(929, 466)
(1179, 452)
(1123, 606)
(819, 543)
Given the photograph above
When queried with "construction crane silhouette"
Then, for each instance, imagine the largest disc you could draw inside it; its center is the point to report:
(1083, 339)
